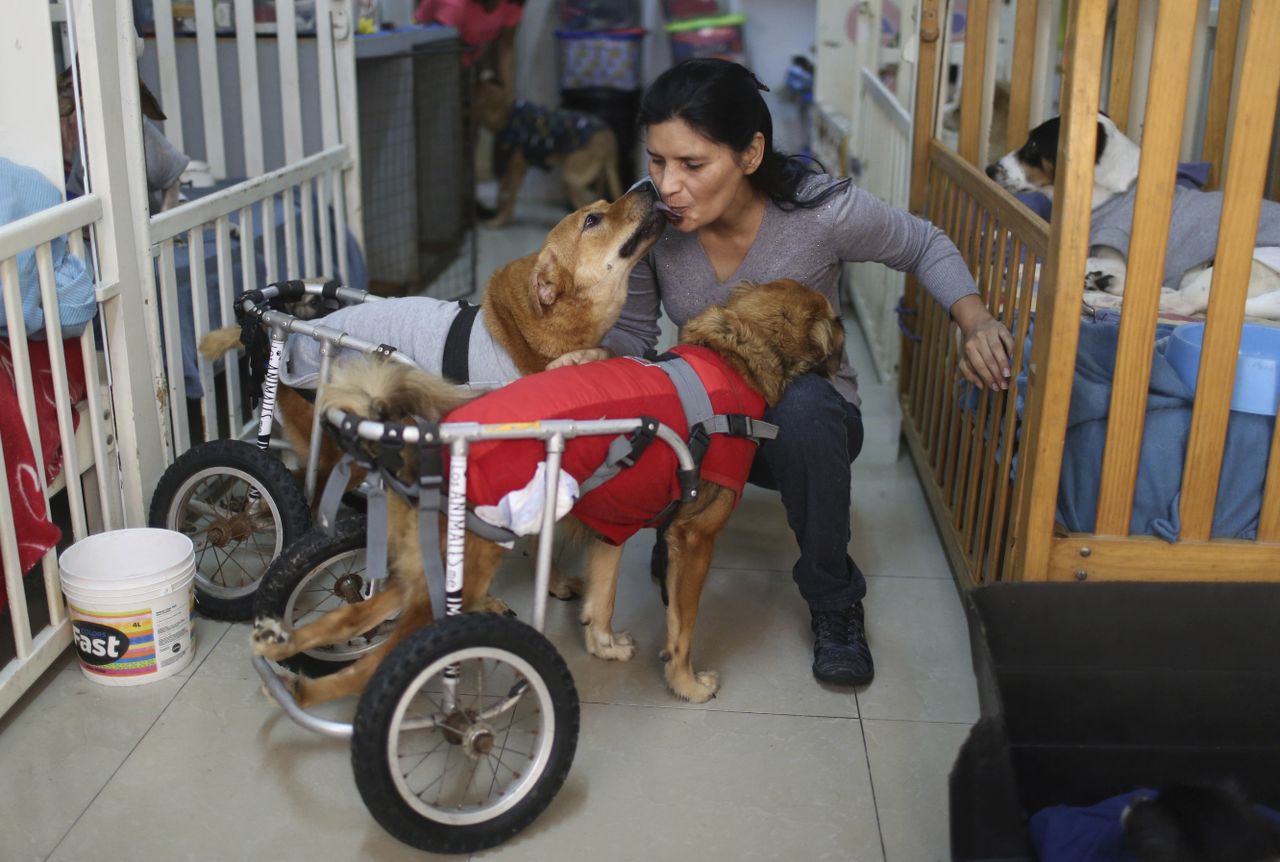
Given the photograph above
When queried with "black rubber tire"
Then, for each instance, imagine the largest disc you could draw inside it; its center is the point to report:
(292, 515)
(291, 572)
(370, 754)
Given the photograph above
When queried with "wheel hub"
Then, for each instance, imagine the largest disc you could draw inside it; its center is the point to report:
(349, 588)
(234, 528)
(479, 740)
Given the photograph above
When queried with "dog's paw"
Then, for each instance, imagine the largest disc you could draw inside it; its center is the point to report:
(1105, 275)
(695, 687)
(565, 588)
(291, 680)
(270, 638)
(1096, 299)
(495, 605)
(610, 646)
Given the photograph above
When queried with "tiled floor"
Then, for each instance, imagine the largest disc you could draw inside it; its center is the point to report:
(202, 766)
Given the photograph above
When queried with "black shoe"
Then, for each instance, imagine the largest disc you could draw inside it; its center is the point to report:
(840, 652)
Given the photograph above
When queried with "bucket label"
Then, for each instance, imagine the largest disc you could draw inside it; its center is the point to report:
(98, 645)
(133, 643)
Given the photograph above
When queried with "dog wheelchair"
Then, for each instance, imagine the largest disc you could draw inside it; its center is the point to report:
(239, 503)
(468, 727)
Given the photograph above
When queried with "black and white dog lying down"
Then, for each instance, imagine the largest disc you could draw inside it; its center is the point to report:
(1193, 229)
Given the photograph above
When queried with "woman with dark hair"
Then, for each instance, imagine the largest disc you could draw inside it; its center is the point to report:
(744, 211)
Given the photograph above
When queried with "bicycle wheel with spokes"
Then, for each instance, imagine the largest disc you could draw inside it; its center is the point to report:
(241, 507)
(317, 574)
(460, 774)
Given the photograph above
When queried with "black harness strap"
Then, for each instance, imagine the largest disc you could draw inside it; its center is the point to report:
(457, 344)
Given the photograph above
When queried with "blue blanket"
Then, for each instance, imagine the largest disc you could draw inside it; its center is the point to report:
(1164, 444)
(25, 191)
(358, 277)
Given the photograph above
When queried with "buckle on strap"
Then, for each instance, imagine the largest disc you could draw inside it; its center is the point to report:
(640, 440)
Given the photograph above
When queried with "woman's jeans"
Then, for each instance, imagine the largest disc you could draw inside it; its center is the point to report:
(820, 433)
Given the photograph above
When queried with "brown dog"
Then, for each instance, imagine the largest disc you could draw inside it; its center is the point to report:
(564, 297)
(528, 134)
(768, 335)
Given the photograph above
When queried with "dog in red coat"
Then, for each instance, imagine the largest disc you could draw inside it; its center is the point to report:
(746, 352)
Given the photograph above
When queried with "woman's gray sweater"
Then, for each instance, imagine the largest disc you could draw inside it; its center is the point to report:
(808, 245)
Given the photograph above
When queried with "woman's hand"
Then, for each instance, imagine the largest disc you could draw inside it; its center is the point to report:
(988, 344)
(580, 357)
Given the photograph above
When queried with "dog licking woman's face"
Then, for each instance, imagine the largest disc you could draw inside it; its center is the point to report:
(699, 179)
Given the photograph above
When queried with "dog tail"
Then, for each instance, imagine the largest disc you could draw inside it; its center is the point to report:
(390, 391)
(220, 342)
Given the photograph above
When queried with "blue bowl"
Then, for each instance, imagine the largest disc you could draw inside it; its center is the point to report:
(1257, 386)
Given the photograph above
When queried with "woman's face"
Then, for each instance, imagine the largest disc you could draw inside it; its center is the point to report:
(698, 178)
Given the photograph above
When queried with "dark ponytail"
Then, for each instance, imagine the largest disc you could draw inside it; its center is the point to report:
(722, 102)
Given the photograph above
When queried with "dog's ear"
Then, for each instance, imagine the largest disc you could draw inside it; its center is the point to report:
(549, 280)
(827, 336)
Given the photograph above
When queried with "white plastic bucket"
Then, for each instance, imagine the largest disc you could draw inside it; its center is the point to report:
(130, 599)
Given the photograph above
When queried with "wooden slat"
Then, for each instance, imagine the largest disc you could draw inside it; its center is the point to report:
(934, 346)
(984, 441)
(1246, 172)
(1011, 212)
(1145, 270)
(1146, 558)
(1220, 86)
(1058, 319)
(250, 93)
(210, 88)
(915, 354)
(971, 87)
(1024, 45)
(167, 58)
(1125, 38)
(942, 355)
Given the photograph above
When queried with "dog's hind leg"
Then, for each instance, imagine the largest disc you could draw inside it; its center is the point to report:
(597, 606)
(351, 680)
(273, 640)
(691, 543)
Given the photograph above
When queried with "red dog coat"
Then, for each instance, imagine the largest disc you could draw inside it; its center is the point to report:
(621, 388)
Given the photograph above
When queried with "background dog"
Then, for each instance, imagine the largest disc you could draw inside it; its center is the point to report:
(767, 334)
(1193, 235)
(529, 134)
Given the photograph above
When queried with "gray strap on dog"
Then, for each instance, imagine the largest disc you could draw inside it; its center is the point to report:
(375, 566)
(429, 548)
(699, 413)
(327, 512)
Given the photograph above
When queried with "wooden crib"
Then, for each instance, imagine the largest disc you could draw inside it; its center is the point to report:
(991, 475)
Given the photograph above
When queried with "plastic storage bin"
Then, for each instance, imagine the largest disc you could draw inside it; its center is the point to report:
(1257, 382)
(600, 58)
(708, 37)
(677, 9)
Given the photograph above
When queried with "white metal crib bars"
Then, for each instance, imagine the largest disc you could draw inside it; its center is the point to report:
(883, 145)
(88, 474)
(313, 214)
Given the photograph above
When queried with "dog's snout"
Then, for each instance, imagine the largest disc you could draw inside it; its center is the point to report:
(645, 186)
(993, 170)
